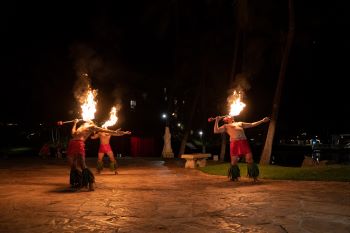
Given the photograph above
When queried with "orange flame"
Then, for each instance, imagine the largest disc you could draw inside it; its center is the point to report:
(88, 106)
(236, 105)
(112, 118)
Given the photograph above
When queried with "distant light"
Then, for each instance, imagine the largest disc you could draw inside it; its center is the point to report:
(178, 124)
(132, 104)
(200, 133)
(164, 116)
(144, 95)
(30, 135)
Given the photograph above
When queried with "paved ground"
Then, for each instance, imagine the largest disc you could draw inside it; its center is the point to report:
(156, 196)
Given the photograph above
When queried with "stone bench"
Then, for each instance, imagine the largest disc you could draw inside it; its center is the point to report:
(194, 160)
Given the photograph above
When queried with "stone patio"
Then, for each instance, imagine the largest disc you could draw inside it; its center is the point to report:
(153, 195)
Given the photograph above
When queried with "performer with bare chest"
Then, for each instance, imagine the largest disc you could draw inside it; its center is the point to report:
(239, 145)
(76, 154)
(105, 148)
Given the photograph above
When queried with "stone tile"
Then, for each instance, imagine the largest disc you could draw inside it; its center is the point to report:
(150, 195)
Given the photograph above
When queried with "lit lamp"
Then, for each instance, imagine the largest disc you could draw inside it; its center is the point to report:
(200, 132)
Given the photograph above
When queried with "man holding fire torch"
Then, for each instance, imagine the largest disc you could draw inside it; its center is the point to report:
(76, 154)
(105, 148)
(239, 145)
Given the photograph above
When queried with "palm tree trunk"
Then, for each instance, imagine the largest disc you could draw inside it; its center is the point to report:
(189, 122)
(223, 147)
(266, 153)
(240, 12)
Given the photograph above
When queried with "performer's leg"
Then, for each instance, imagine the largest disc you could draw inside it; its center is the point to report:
(100, 162)
(81, 162)
(233, 171)
(75, 177)
(71, 162)
(113, 162)
(252, 168)
(88, 179)
(249, 158)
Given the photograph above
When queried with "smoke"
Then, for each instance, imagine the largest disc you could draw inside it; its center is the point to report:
(240, 87)
(117, 93)
(88, 61)
(236, 94)
(81, 87)
(241, 83)
(82, 65)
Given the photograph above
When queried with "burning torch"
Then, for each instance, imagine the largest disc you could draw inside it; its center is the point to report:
(210, 119)
(66, 122)
(236, 106)
(88, 107)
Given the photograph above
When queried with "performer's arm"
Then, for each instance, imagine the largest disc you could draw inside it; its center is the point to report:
(120, 133)
(253, 124)
(95, 135)
(74, 128)
(218, 129)
(99, 129)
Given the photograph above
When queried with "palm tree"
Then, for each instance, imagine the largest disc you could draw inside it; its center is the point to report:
(266, 153)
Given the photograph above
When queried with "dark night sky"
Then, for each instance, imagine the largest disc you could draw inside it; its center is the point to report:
(44, 42)
(132, 44)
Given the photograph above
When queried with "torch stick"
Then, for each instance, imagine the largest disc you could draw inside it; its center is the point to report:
(65, 122)
(210, 119)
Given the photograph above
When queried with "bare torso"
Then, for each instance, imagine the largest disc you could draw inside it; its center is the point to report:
(82, 133)
(235, 130)
(104, 137)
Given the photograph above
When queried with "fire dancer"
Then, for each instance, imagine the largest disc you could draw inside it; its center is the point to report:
(76, 154)
(105, 148)
(238, 145)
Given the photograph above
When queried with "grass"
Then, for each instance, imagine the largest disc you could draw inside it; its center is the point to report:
(14, 151)
(274, 172)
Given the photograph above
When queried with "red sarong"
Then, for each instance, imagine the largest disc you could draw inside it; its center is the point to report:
(105, 148)
(76, 147)
(239, 147)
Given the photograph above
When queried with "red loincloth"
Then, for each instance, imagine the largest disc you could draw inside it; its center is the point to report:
(76, 147)
(239, 147)
(105, 148)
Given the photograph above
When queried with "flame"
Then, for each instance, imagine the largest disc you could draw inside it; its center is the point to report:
(88, 106)
(236, 105)
(112, 118)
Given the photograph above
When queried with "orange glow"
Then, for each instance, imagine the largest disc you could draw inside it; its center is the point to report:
(236, 104)
(88, 106)
(112, 118)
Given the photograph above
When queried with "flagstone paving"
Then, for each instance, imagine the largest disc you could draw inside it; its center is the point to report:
(151, 195)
